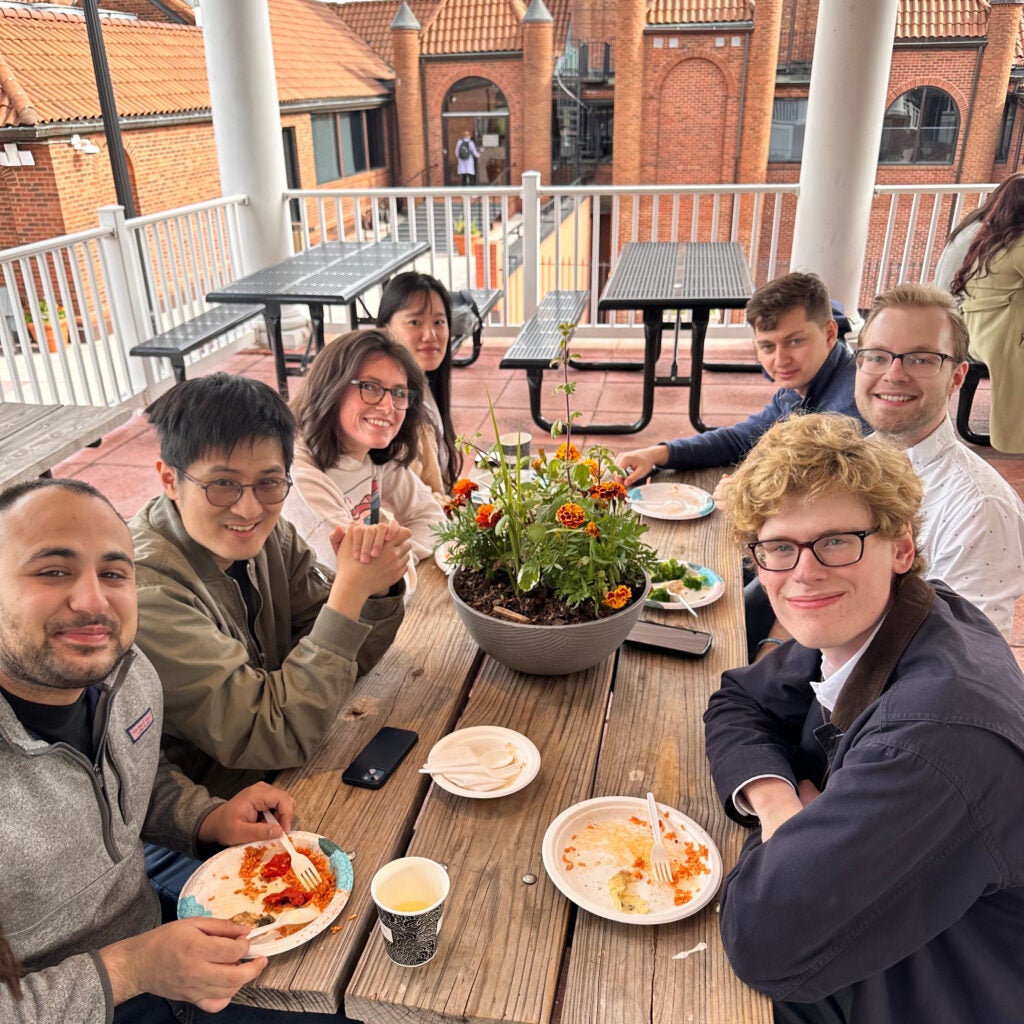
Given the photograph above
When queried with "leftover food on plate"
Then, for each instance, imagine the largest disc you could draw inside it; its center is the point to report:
(671, 501)
(255, 885)
(612, 856)
(694, 584)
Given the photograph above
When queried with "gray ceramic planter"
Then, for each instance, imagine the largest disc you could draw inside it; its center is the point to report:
(548, 650)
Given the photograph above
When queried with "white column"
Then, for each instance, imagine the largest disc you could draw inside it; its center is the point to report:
(247, 123)
(845, 110)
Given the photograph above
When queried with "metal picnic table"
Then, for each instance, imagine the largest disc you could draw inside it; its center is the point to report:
(655, 277)
(330, 274)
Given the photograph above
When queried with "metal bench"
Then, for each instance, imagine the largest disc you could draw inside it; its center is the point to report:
(179, 341)
(482, 301)
(538, 344)
(976, 372)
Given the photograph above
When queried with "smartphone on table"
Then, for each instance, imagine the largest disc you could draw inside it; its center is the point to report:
(656, 636)
(374, 764)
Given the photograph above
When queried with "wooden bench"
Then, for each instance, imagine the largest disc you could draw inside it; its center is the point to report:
(538, 344)
(481, 302)
(178, 342)
(976, 372)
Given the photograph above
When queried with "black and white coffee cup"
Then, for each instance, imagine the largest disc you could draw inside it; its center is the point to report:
(410, 894)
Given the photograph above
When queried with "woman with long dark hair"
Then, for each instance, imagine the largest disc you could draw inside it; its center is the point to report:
(358, 418)
(416, 311)
(991, 279)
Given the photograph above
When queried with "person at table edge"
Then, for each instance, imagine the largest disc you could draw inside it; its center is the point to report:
(878, 755)
(84, 778)
(257, 646)
(795, 342)
(973, 532)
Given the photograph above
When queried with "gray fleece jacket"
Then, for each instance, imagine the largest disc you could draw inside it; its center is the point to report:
(70, 845)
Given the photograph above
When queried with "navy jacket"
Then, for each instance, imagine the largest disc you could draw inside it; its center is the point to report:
(904, 880)
(831, 390)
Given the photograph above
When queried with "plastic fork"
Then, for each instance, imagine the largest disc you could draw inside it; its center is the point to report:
(498, 764)
(305, 870)
(661, 862)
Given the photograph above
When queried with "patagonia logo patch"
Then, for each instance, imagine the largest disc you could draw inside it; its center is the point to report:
(140, 726)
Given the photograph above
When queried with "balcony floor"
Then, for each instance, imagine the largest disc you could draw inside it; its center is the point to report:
(123, 466)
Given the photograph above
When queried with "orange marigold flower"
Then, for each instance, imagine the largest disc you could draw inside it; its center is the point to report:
(537, 465)
(463, 488)
(487, 516)
(595, 469)
(567, 452)
(591, 530)
(571, 515)
(618, 597)
(610, 490)
(451, 508)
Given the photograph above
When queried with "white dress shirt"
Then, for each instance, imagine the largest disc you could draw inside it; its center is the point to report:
(973, 534)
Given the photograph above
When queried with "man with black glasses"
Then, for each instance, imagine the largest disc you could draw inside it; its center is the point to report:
(912, 358)
(878, 755)
(256, 646)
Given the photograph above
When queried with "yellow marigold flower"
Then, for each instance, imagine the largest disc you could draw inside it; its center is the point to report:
(610, 490)
(571, 515)
(595, 469)
(487, 516)
(463, 488)
(567, 452)
(618, 597)
(537, 465)
(591, 530)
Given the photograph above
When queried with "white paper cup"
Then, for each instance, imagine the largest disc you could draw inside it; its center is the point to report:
(410, 895)
(515, 446)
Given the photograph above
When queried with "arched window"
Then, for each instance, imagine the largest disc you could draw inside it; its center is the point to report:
(920, 127)
(479, 105)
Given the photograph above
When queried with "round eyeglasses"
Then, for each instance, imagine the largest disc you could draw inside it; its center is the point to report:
(373, 393)
(831, 549)
(875, 361)
(272, 490)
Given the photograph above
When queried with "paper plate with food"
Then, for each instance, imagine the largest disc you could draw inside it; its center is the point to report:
(598, 854)
(255, 885)
(671, 501)
(674, 582)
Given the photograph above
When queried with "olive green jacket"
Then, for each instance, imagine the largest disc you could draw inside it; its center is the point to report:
(238, 706)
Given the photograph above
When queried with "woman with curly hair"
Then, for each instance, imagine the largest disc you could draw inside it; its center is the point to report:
(416, 311)
(991, 279)
(358, 418)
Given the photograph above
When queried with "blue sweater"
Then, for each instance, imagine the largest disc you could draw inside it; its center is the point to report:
(831, 390)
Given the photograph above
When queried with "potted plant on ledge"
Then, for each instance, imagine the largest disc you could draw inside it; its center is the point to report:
(51, 331)
(459, 235)
(550, 568)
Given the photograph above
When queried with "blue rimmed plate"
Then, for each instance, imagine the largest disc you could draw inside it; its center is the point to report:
(211, 891)
(713, 588)
(671, 501)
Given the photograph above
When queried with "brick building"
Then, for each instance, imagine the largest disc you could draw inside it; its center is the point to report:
(335, 114)
(698, 91)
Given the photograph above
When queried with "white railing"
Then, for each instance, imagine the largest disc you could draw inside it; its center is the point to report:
(122, 282)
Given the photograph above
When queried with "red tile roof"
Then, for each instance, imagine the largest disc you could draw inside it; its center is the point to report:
(46, 72)
(941, 19)
(697, 12)
(371, 20)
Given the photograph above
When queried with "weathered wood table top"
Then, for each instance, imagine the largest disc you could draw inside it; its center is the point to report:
(34, 438)
(631, 724)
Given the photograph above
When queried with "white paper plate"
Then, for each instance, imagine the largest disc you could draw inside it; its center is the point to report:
(481, 738)
(671, 501)
(210, 892)
(602, 836)
(714, 588)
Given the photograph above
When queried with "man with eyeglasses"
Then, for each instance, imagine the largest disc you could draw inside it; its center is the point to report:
(877, 756)
(795, 341)
(257, 647)
(912, 359)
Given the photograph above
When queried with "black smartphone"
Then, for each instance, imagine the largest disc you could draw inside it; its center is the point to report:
(691, 643)
(379, 758)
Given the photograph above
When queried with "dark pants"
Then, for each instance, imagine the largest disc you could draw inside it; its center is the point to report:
(467, 179)
(147, 1009)
(168, 872)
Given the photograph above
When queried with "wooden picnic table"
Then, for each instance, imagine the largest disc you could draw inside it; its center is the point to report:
(630, 724)
(34, 438)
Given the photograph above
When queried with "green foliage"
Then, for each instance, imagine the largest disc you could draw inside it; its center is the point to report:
(561, 521)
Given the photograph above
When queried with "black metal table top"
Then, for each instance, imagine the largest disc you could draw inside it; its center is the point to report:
(678, 275)
(334, 273)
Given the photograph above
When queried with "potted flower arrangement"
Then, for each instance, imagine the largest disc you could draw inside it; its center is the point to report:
(50, 332)
(550, 567)
(459, 235)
